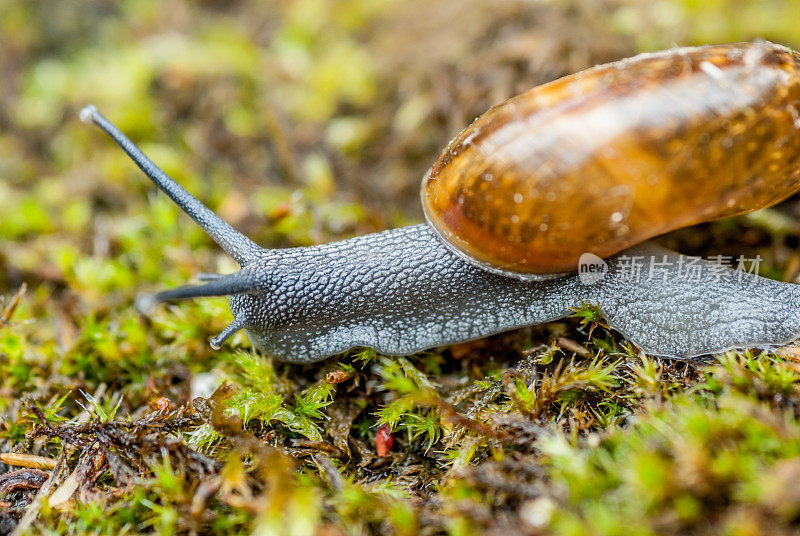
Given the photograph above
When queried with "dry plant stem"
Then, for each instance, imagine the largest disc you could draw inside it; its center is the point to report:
(8, 310)
(27, 460)
(56, 477)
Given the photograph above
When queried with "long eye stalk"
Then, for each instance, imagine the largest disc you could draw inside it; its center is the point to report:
(238, 246)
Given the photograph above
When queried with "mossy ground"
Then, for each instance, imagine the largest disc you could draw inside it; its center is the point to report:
(303, 122)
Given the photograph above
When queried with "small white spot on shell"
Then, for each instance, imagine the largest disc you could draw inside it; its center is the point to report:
(550, 196)
(542, 226)
(795, 116)
(514, 218)
(518, 198)
(466, 141)
(734, 54)
(616, 217)
(712, 70)
(753, 56)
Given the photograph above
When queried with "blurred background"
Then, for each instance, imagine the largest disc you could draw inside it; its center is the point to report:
(299, 121)
(306, 121)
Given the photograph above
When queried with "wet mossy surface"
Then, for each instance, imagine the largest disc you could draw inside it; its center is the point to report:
(304, 122)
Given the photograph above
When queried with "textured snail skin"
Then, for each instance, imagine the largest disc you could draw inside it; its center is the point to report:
(609, 157)
(401, 291)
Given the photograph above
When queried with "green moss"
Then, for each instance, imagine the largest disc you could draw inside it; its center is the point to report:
(306, 122)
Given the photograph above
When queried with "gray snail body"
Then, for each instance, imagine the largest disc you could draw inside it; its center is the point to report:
(400, 291)
(408, 289)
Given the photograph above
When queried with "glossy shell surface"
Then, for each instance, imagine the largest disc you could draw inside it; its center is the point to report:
(606, 158)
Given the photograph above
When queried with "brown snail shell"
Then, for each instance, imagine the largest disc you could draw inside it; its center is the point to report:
(604, 159)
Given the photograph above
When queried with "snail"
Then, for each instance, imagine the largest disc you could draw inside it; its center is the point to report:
(579, 172)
